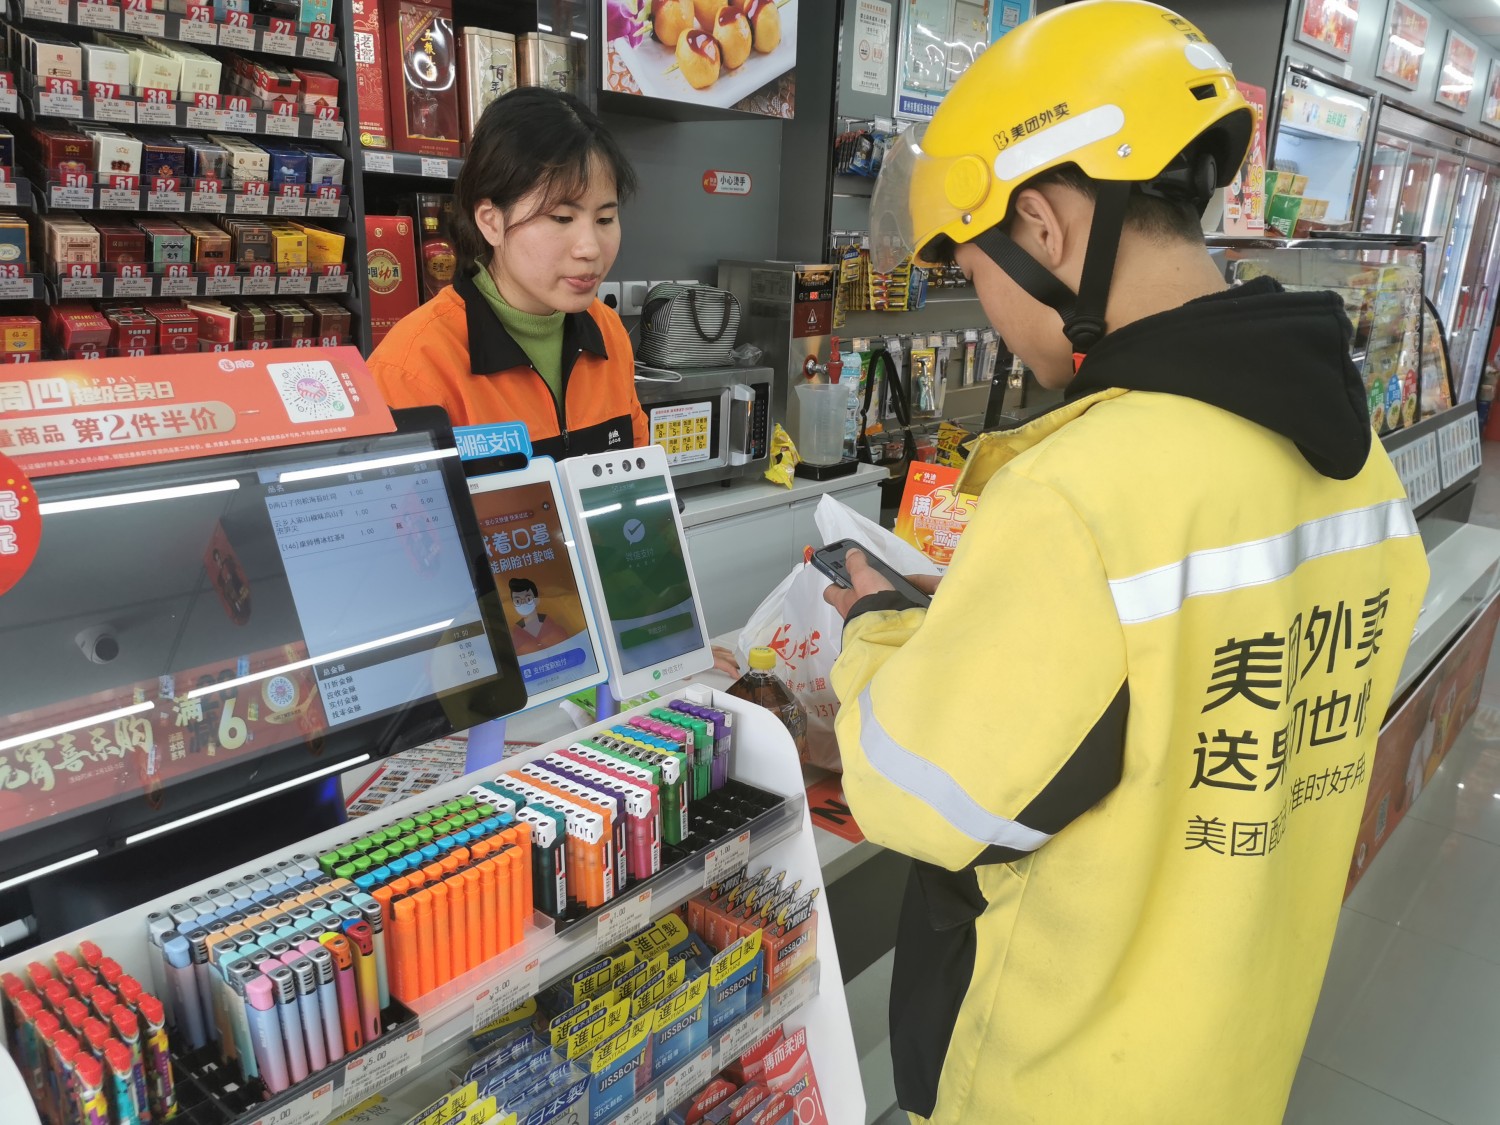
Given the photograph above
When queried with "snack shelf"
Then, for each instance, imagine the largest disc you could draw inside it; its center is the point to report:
(409, 164)
(546, 954)
(88, 283)
(105, 104)
(171, 195)
(194, 25)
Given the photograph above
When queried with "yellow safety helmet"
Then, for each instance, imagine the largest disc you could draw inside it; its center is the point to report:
(1131, 93)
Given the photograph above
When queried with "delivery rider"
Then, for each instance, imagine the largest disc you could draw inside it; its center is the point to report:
(1128, 744)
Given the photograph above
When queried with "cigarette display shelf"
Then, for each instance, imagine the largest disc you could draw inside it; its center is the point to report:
(169, 195)
(194, 25)
(764, 759)
(203, 346)
(228, 280)
(409, 164)
(100, 103)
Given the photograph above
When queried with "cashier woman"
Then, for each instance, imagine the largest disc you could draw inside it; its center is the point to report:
(521, 334)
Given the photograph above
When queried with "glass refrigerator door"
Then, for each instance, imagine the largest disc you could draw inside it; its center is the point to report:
(1383, 188)
(1475, 307)
(1463, 232)
(1321, 135)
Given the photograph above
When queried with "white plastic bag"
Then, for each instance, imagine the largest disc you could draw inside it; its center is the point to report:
(806, 633)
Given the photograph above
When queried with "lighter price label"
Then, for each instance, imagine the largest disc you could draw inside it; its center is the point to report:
(72, 197)
(295, 286)
(258, 286)
(118, 199)
(179, 287)
(327, 130)
(724, 860)
(280, 125)
(16, 289)
(99, 15)
(60, 105)
(337, 283)
(221, 286)
(80, 288)
(737, 1040)
(133, 287)
(208, 203)
(506, 995)
(435, 166)
(55, 11)
(323, 208)
(199, 118)
(191, 31)
(252, 205)
(324, 49)
(278, 44)
(312, 1108)
(290, 205)
(379, 162)
(690, 1077)
(643, 1112)
(242, 38)
(624, 919)
(374, 1071)
(145, 23)
(112, 109)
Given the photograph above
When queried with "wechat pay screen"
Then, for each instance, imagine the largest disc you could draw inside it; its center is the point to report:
(643, 571)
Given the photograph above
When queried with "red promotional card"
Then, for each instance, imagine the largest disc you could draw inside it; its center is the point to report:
(69, 416)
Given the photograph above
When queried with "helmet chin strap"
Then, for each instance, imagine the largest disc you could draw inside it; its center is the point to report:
(1082, 313)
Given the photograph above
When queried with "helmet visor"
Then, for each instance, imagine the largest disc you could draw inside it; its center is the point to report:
(910, 206)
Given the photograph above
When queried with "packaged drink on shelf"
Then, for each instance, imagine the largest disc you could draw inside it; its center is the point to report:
(438, 258)
(422, 55)
(369, 74)
(763, 687)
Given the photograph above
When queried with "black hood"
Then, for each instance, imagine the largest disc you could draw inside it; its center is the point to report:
(1278, 359)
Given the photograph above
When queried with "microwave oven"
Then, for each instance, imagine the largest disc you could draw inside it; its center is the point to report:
(714, 423)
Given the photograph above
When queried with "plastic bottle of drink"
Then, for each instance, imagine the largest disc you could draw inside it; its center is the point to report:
(763, 687)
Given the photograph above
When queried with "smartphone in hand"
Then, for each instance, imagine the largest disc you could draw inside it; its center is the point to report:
(832, 561)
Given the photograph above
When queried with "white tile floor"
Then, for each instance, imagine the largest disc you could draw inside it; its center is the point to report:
(1407, 1030)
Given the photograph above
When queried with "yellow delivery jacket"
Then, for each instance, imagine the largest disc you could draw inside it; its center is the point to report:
(1129, 742)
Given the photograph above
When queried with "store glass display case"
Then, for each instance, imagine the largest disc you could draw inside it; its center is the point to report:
(1381, 282)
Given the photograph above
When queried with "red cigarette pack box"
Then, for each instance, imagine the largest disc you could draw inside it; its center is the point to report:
(422, 54)
(318, 89)
(395, 285)
(132, 333)
(81, 330)
(178, 327)
(369, 75)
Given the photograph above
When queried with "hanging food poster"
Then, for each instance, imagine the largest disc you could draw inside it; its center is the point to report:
(1329, 25)
(1456, 79)
(1406, 27)
(714, 53)
(1490, 112)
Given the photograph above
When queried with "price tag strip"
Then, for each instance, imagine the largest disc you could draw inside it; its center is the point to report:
(624, 919)
(726, 859)
(377, 1069)
(311, 1108)
(506, 995)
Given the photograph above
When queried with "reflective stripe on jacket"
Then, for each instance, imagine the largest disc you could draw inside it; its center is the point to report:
(1128, 745)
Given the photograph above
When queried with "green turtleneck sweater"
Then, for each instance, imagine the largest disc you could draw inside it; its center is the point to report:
(540, 337)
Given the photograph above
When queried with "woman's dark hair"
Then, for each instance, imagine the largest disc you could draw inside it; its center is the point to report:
(527, 139)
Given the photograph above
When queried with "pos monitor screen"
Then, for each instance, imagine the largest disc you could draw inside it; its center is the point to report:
(196, 634)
